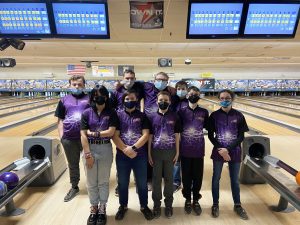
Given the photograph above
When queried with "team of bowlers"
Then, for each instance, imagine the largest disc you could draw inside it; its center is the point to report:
(154, 144)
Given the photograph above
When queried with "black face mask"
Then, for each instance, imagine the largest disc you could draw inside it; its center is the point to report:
(100, 100)
(130, 104)
(163, 105)
(193, 99)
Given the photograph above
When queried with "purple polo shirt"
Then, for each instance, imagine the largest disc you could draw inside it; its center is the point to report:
(164, 127)
(150, 98)
(131, 126)
(117, 95)
(181, 104)
(192, 138)
(227, 127)
(70, 109)
(98, 122)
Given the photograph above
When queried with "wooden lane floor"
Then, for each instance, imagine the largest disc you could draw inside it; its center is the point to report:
(27, 106)
(266, 113)
(258, 124)
(29, 127)
(53, 133)
(44, 205)
(266, 100)
(284, 100)
(27, 114)
(15, 100)
(279, 109)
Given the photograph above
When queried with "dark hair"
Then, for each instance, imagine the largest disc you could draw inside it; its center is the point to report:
(162, 73)
(164, 93)
(128, 71)
(103, 91)
(232, 95)
(194, 88)
(128, 92)
(181, 83)
(76, 77)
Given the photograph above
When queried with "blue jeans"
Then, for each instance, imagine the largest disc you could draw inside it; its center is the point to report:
(139, 167)
(176, 174)
(234, 169)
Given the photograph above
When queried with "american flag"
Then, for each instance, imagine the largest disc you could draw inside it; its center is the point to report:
(76, 70)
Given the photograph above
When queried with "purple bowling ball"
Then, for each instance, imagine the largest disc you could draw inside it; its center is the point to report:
(10, 179)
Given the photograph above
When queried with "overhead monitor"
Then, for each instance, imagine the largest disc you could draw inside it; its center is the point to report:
(272, 19)
(214, 19)
(24, 19)
(81, 20)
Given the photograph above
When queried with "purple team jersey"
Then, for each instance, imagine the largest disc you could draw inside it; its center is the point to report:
(74, 108)
(164, 127)
(227, 127)
(150, 97)
(117, 96)
(183, 103)
(131, 126)
(192, 138)
(94, 122)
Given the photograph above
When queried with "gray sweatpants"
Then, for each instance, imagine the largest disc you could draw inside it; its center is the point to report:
(73, 149)
(162, 166)
(97, 178)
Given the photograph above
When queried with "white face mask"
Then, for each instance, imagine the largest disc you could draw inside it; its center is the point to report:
(128, 83)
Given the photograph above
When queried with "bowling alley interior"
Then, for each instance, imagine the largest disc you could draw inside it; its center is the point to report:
(250, 47)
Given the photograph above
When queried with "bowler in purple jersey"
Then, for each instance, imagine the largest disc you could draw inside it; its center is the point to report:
(151, 90)
(68, 111)
(130, 138)
(116, 99)
(194, 119)
(128, 83)
(226, 132)
(163, 151)
(98, 125)
(181, 102)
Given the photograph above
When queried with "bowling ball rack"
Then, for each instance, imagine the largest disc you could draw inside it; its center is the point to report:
(288, 189)
(27, 171)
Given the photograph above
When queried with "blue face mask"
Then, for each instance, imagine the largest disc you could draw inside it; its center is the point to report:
(225, 104)
(181, 93)
(130, 104)
(160, 85)
(76, 92)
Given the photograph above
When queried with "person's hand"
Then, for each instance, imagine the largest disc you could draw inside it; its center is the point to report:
(224, 153)
(90, 162)
(117, 84)
(130, 152)
(92, 134)
(175, 158)
(150, 160)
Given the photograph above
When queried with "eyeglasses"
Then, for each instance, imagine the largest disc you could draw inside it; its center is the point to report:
(226, 99)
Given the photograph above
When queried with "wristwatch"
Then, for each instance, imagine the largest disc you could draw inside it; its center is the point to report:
(134, 148)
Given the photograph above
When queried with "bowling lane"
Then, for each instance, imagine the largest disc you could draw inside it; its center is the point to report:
(258, 124)
(279, 109)
(17, 101)
(53, 133)
(27, 114)
(269, 100)
(284, 100)
(30, 127)
(266, 113)
(27, 106)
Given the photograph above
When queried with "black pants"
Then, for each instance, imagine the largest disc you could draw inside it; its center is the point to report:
(163, 167)
(192, 174)
(73, 149)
